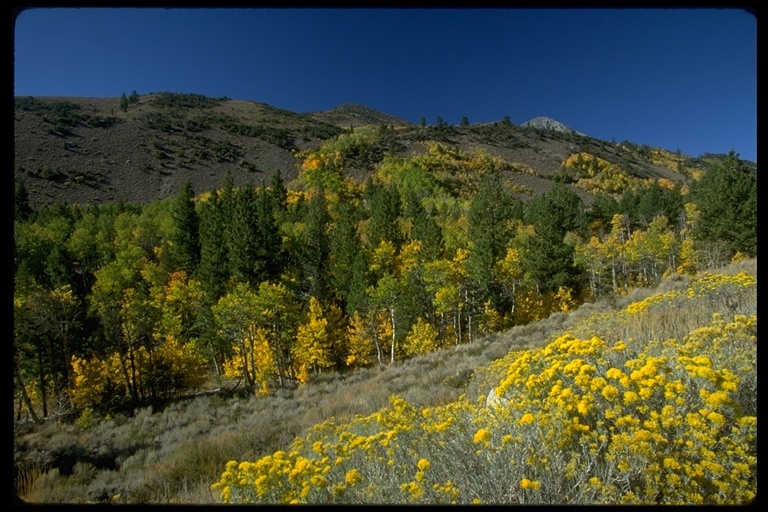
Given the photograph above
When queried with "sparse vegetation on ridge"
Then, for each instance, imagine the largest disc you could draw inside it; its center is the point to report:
(94, 131)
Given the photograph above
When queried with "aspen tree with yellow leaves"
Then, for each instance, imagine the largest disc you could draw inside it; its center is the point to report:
(312, 350)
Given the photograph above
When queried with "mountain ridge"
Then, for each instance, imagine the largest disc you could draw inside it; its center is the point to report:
(91, 151)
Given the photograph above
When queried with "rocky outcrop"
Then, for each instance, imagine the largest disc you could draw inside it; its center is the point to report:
(547, 123)
(493, 400)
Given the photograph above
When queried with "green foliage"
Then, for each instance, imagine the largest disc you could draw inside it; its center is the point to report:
(316, 248)
(85, 421)
(602, 210)
(384, 207)
(548, 256)
(213, 270)
(345, 248)
(490, 217)
(727, 197)
(63, 116)
(21, 207)
(185, 237)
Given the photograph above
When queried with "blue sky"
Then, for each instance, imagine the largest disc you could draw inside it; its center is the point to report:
(672, 78)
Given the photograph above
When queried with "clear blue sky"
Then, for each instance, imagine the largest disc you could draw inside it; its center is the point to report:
(671, 78)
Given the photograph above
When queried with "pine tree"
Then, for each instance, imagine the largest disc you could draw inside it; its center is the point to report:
(213, 274)
(357, 298)
(279, 195)
(490, 215)
(547, 258)
(344, 248)
(185, 236)
(602, 210)
(22, 209)
(242, 238)
(424, 228)
(727, 197)
(269, 243)
(123, 102)
(316, 247)
(384, 212)
(213, 269)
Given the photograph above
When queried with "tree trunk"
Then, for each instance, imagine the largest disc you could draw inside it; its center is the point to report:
(392, 349)
(22, 386)
(41, 377)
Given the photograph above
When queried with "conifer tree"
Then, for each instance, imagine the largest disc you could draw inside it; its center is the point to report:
(384, 212)
(185, 236)
(242, 242)
(602, 210)
(547, 257)
(656, 200)
(490, 215)
(357, 298)
(213, 270)
(269, 244)
(22, 209)
(727, 198)
(279, 196)
(424, 228)
(344, 248)
(316, 247)
(213, 273)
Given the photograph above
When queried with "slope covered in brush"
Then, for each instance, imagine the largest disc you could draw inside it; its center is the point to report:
(651, 404)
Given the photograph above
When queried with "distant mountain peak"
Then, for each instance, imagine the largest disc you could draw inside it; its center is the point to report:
(547, 123)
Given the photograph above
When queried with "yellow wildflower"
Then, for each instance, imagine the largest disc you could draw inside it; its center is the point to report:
(610, 392)
(529, 484)
(352, 477)
(482, 435)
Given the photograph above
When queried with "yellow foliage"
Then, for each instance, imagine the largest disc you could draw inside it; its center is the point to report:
(360, 342)
(312, 348)
(422, 339)
(88, 382)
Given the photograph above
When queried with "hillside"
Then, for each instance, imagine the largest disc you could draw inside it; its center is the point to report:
(89, 151)
(172, 455)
